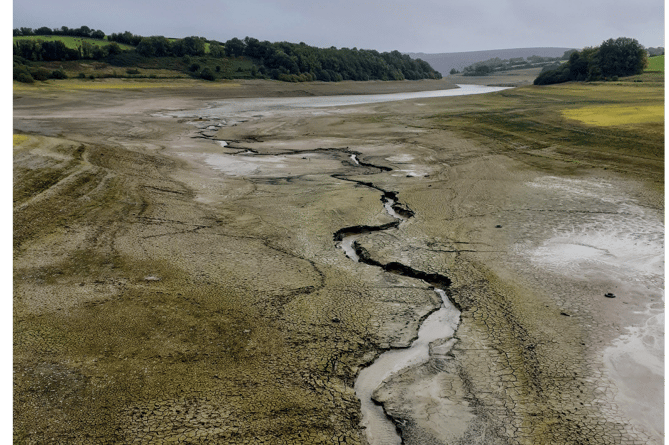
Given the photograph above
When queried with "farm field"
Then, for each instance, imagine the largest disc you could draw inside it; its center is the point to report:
(177, 269)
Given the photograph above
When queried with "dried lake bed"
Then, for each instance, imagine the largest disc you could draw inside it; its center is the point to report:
(178, 271)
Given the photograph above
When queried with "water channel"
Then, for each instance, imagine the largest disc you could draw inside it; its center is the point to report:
(441, 324)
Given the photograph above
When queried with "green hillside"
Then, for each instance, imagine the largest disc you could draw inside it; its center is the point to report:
(656, 64)
(71, 41)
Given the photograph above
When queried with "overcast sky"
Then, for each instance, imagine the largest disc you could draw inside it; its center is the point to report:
(431, 26)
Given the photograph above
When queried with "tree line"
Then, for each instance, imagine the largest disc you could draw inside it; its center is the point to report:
(496, 64)
(614, 58)
(295, 62)
(299, 61)
(83, 31)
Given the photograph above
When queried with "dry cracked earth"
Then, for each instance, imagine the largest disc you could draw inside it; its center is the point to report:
(178, 277)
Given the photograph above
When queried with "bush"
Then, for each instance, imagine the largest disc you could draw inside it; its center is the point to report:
(81, 76)
(549, 77)
(206, 74)
(132, 71)
(40, 74)
(22, 74)
(194, 67)
(58, 74)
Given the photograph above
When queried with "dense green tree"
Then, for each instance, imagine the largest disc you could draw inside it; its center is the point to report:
(216, 50)
(615, 57)
(206, 74)
(113, 48)
(234, 47)
(622, 56)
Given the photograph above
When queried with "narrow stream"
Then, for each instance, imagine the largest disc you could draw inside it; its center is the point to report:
(440, 325)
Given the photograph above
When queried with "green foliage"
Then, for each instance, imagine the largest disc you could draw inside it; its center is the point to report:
(21, 72)
(496, 64)
(40, 73)
(622, 56)
(25, 78)
(615, 57)
(58, 74)
(248, 58)
(284, 60)
(206, 74)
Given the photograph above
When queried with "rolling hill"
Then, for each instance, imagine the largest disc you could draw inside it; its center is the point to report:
(444, 62)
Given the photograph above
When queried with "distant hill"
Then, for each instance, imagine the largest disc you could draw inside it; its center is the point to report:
(444, 62)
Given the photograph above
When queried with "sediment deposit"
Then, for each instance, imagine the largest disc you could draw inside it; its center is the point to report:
(178, 273)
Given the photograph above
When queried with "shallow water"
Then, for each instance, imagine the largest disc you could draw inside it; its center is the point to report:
(437, 326)
(240, 109)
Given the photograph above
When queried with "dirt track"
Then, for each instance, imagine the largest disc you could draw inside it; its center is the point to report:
(181, 291)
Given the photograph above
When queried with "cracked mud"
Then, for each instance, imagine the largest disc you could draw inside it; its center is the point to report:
(176, 272)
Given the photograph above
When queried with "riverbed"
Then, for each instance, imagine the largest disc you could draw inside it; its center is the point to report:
(180, 271)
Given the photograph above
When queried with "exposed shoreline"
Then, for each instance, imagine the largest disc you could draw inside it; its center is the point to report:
(267, 320)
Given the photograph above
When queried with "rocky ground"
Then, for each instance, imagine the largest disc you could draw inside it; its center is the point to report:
(169, 287)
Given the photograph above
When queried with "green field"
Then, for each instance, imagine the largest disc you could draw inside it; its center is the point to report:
(71, 41)
(656, 64)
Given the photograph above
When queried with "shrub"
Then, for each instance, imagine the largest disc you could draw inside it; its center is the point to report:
(194, 67)
(24, 77)
(58, 74)
(40, 74)
(132, 71)
(81, 76)
(19, 70)
(206, 74)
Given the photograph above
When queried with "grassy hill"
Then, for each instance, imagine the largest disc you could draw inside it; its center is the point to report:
(656, 64)
(72, 42)
(444, 62)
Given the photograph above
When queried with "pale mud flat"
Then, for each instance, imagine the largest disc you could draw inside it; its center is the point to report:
(540, 355)
(623, 247)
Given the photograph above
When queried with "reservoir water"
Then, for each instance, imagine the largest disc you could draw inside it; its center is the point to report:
(232, 110)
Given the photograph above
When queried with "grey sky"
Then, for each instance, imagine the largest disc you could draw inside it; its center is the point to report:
(429, 26)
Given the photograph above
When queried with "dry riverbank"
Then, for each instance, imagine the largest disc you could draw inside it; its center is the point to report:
(184, 290)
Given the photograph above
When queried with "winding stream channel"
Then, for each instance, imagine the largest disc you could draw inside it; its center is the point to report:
(441, 324)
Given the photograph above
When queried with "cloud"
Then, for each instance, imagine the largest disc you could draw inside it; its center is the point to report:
(411, 26)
